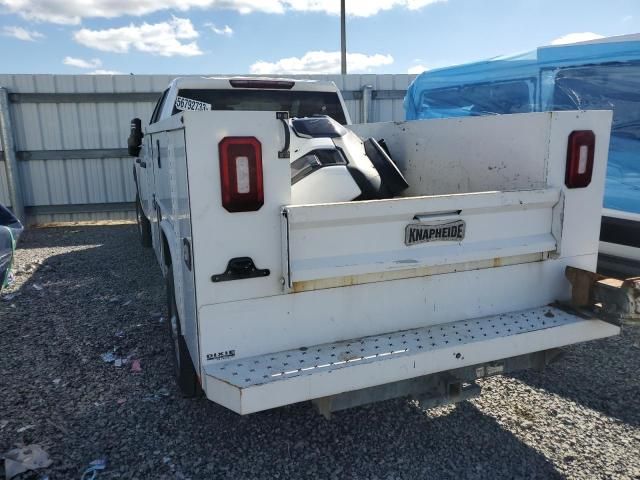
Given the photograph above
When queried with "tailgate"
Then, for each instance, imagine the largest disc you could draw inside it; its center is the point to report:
(342, 244)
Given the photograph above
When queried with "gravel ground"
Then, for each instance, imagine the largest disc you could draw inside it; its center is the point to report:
(81, 291)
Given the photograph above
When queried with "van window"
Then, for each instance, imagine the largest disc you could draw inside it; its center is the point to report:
(480, 99)
(297, 103)
(613, 86)
(596, 87)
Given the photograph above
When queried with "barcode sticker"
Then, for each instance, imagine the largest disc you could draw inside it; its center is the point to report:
(183, 103)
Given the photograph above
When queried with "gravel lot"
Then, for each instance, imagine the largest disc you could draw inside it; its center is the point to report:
(81, 291)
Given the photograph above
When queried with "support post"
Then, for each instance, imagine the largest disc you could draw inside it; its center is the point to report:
(365, 104)
(343, 37)
(10, 160)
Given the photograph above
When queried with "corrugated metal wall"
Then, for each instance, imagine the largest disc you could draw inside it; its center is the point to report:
(56, 128)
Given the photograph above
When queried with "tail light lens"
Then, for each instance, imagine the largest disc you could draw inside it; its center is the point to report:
(241, 174)
(580, 158)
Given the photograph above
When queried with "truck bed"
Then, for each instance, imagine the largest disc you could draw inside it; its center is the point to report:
(273, 300)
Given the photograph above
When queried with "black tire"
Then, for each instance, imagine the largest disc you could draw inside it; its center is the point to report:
(185, 372)
(144, 226)
(3, 277)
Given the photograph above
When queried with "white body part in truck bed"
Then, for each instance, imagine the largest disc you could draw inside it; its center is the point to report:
(347, 296)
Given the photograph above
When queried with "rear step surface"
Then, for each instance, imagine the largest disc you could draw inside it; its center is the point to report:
(266, 381)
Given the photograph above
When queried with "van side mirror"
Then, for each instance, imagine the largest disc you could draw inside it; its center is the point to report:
(134, 142)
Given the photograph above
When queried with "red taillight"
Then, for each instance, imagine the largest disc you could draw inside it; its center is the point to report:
(580, 158)
(241, 174)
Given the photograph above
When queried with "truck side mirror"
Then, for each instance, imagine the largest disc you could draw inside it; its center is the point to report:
(134, 141)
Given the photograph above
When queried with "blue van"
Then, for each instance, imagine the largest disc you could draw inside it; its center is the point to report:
(599, 74)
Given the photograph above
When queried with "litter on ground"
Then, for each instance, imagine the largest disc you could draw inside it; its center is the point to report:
(23, 459)
(94, 467)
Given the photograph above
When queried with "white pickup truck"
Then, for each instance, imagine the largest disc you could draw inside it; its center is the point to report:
(459, 276)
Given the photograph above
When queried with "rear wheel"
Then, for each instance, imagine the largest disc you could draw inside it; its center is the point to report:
(144, 226)
(185, 372)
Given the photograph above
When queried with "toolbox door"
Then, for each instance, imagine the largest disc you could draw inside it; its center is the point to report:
(341, 244)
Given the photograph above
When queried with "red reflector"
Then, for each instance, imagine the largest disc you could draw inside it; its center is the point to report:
(273, 84)
(580, 158)
(241, 174)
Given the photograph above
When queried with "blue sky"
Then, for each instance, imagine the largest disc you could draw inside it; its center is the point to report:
(288, 36)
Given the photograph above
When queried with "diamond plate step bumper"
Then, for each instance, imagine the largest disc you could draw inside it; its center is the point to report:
(258, 383)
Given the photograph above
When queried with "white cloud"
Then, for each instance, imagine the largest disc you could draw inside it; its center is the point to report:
(576, 37)
(627, 18)
(105, 72)
(226, 31)
(320, 62)
(356, 8)
(165, 38)
(21, 33)
(71, 12)
(417, 69)
(80, 63)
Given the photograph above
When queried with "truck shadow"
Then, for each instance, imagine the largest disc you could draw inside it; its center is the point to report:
(77, 304)
(69, 236)
(393, 439)
(601, 375)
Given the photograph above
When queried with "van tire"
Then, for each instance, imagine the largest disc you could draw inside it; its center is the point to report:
(185, 373)
(144, 226)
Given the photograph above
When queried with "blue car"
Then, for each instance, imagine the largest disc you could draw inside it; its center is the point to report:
(10, 230)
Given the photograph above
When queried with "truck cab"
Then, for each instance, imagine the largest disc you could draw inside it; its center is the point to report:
(458, 275)
(301, 98)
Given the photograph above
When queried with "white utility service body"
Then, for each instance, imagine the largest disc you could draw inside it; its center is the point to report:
(345, 297)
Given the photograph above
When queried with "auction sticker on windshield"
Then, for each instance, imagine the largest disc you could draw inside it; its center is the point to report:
(434, 232)
(183, 103)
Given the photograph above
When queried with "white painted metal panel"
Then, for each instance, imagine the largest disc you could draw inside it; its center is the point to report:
(275, 379)
(461, 155)
(282, 322)
(389, 303)
(356, 238)
(580, 224)
(455, 155)
(622, 251)
(383, 108)
(179, 215)
(219, 235)
(52, 126)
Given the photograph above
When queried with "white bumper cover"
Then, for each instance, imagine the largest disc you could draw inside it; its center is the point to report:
(258, 383)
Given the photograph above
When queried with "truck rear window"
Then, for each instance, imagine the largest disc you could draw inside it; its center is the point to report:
(297, 103)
